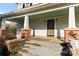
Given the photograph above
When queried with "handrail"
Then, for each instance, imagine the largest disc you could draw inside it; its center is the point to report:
(17, 48)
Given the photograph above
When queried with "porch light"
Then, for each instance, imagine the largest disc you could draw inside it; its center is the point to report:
(44, 21)
(56, 19)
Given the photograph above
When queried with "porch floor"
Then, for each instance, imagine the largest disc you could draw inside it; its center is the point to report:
(41, 46)
(45, 48)
(50, 39)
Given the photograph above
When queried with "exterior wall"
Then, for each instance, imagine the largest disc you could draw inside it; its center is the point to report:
(60, 24)
(39, 27)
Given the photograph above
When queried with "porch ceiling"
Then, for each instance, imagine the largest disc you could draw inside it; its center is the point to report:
(50, 14)
(18, 20)
(62, 12)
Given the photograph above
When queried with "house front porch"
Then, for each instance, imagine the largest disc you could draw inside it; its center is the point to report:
(48, 23)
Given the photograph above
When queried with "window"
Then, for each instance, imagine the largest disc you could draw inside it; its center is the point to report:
(23, 5)
(27, 5)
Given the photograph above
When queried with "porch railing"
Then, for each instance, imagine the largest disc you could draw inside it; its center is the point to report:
(17, 48)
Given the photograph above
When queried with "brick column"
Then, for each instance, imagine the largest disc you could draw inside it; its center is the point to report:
(2, 29)
(26, 32)
(68, 36)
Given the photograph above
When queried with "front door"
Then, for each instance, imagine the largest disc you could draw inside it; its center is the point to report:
(50, 27)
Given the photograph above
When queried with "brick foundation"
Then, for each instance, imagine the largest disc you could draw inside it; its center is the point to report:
(26, 33)
(3, 32)
(67, 31)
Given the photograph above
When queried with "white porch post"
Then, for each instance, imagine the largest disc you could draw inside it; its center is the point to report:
(72, 17)
(3, 24)
(26, 22)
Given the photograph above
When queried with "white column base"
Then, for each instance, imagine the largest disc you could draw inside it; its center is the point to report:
(55, 33)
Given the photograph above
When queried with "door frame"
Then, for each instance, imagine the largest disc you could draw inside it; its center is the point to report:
(53, 27)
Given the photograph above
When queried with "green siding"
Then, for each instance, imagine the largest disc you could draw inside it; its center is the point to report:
(77, 10)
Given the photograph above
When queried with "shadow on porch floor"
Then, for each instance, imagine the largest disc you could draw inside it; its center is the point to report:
(50, 39)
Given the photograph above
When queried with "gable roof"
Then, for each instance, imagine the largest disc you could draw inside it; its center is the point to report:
(34, 8)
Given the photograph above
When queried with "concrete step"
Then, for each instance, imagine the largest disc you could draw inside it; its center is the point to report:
(25, 49)
(50, 39)
(26, 46)
(18, 54)
(22, 53)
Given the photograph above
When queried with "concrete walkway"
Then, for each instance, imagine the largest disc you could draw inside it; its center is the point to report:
(44, 48)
